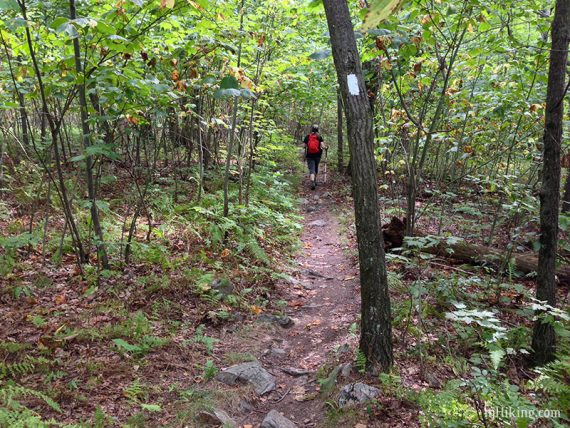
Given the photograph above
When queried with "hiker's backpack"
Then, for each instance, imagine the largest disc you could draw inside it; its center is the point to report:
(314, 145)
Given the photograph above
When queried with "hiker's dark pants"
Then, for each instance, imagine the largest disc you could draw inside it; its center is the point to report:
(313, 164)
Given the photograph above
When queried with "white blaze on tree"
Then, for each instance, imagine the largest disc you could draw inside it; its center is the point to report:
(353, 84)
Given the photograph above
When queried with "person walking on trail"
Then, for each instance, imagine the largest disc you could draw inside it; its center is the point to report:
(314, 147)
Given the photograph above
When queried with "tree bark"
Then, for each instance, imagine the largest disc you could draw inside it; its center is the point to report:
(544, 340)
(234, 123)
(457, 249)
(376, 329)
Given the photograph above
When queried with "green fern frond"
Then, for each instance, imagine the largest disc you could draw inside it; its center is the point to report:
(360, 361)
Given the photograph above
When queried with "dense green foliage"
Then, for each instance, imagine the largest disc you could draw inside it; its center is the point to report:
(458, 91)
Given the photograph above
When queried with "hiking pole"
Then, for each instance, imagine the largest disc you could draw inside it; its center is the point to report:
(326, 162)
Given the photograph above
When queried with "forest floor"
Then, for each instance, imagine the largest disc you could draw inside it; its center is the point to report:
(145, 345)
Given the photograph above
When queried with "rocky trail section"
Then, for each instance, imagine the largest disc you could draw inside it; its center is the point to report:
(302, 353)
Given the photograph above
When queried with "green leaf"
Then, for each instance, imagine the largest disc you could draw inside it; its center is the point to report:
(116, 38)
(9, 5)
(9, 105)
(496, 357)
(379, 11)
(484, 26)
(126, 346)
(246, 93)
(229, 82)
(226, 93)
(82, 22)
(69, 29)
(104, 28)
(77, 158)
(379, 32)
(151, 407)
(315, 4)
(320, 54)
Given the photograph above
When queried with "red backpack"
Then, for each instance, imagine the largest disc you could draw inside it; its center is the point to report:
(314, 145)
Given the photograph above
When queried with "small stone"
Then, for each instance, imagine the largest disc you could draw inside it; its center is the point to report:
(345, 370)
(432, 381)
(216, 418)
(309, 272)
(245, 406)
(327, 195)
(252, 372)
(278, 352)
(284, 321)
(357, 393)
(290, 280)
(310, 209)
(291, 371)
(318, 223)
(274, 419)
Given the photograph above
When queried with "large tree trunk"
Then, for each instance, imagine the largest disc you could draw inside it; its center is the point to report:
(376, 329)
(543, 340)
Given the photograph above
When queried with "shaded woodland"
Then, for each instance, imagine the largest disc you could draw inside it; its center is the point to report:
(157, 229)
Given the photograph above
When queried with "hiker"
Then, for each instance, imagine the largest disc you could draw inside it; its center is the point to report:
(314, 147)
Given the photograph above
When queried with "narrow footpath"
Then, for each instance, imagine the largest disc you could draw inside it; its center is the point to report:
(314, 336)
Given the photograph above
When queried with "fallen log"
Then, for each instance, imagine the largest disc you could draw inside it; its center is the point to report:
(457, 249)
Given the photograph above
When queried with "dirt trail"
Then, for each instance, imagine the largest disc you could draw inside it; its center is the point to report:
(323, 300)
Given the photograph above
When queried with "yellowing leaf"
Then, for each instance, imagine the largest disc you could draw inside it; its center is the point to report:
(255, 310)
(195, 5)
(167, 3)
(379, 11)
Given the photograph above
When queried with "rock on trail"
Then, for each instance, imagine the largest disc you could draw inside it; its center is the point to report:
(252, 373)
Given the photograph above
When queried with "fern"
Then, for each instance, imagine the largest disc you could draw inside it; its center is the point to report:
(136, 391)
(13, 347)
(360, 361)
(12, 412)
(257, 252)
(15, 414)
(27, 366)
(212, 299)
(210, 370)
(553, 381)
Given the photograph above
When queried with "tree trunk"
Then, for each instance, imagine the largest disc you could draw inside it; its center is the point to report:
(101, 251)
(457, 249)
(47, 117)
(544, 340)
(376, 329)
(233, 128)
